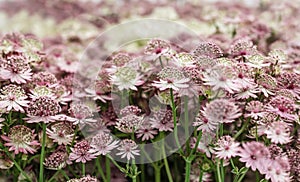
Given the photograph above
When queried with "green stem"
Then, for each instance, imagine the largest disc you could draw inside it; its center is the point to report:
(52, 178)
(241, 130)
(170, 179)
(100, 169)
(188, 164)
(42, 157)
(242, 177)
(219, 176)
(64, 174)
(175, 121)
(186, 126)
(157, 173)
(83, 168)
(201, 175)
(160, 61)
(107, 167)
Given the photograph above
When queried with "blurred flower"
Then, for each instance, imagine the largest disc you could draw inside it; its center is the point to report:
(162, 120)
(5, 162)
(81, 114)
(221, 77)
(21, 139)
(283, 106)
(226, 148)
(15, 68)
(13, 98)
(255, 155)
(267, 84)
(43, 109)
(157, 47)
(171, 78)
(81, 152)
(61, 133)
(44, 79)
(184, 59)
(221, 111)
(128, 148)
(255, 109)
(102, 144)
(126, 78)
(121, 59)
(208, 49)
(278, 132)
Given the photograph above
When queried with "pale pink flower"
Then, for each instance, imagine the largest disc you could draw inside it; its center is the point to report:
(204, 124)
(157, 47)
(171, 78)
(226, 148)
(44, 79)
(126, 77)
(255, 155)
(184, 59)
(16, 69)
(21, 139)
(256, 61)
(81, 152)
(283, 106)
(61, 133)
(102, 144)
(13, 98)
(277, 170)
(290, 81)
(130, 109)
(41, 91)
(128, 149)
(247, 92)
(255, 110)
(221, 111)
(81, 114)
(57, 160)
(97, 96)
(267, 84)
(207, 49)
(43, 109)
(221, 77)
(68, 62)
(204, 143)
(120, 59)
(146, 131)
(162, 120)
(129, 123)
(242, 47)
(278, 132)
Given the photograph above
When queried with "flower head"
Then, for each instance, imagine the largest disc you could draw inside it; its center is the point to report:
(44, 79)
(81, 113)
(129, 123)
(283, 106)
(157, 47)
(226, 148)
(128, 148)
(43, 109)
(61, 132)
(121, 59)
(13, 98)
(221, 111)
(16, 69)
(278, 132)
(208, 49)
(81, 152)
(255, 109)
(162, 120)
(21, 139)
(102, 144)
(170, 77)
(57, 160)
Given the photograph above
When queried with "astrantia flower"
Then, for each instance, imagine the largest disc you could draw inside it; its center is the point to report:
(81, 152)
(129, 123)
(226, 148)
(283, 106)
(247, 92)
(121, 59)
(242, 47)
(21, 139)
(255, 155)
(204, 143)
(102, 144)
(81, 114)
(208, 49)
(13, 98)
(44, 79)
(128, 149)
(126, 78)
(277, 170)
(184, 59)
(43, 109)
(170, 77)
(221, 111)
(162, 120)
(87, 178)
(68, 62)
(290, 81)
(16, 69)
(267, 84)
(130, 110)
(40, 91)
(57, 160)
(204, 124)
(146, 131)
(255, 110)
(61, 132)
(257, 61)
(221, 77)
(157, 47)
(278, 132)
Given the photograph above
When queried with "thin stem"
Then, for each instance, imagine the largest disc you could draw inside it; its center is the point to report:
(170, 179)
(201, 175)
(64, 174)
(219, 172)
(42, 157)
(175, 121)
(242, 177)
(160, 61)
(55, 174)
(157, 173)
(100, 169)
(188, 164)
(83, 168)
(107, 167)
(186, 125)
(241, 130)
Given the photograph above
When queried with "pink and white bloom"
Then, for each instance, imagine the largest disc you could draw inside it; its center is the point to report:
(61, 133)
(283, 106)
(255, 110)
(102, 144)
(128, 149)
(278, 132)
(13, 98)
(21, 139)
(81, 114)
(81, 152)
(226, 148)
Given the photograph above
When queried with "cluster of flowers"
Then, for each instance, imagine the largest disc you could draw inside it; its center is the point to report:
(246, 77)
